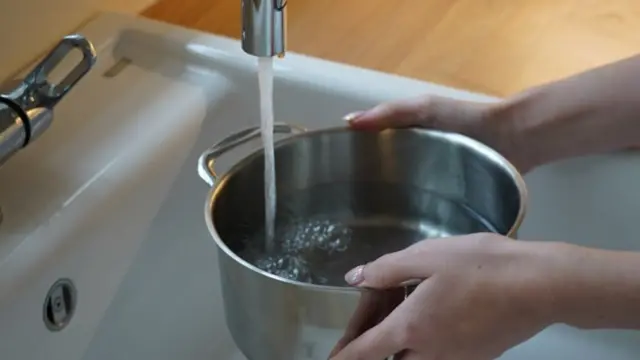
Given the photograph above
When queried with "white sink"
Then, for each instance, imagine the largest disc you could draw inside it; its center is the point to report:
(109, 198)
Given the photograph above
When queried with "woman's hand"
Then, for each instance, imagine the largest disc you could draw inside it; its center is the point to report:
(481, 295)
(485, 122)
(588, 113)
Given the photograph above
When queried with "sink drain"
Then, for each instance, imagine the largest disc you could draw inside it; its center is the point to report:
(59, 305)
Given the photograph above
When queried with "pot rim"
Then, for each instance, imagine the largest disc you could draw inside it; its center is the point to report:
(484, 149)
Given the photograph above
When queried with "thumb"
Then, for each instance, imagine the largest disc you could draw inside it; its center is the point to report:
(404, 267)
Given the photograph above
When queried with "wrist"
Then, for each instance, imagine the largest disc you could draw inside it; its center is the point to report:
(590, 288)
(589, 113)
(542, 272)
(561, 288)
(528, 126)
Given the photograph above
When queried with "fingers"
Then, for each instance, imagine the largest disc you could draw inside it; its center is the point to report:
(377, 343)
(373, 307)
(402, 113)
(392, 269)
(407, 333)
(364, 318)
(395, 334)
(431, 112)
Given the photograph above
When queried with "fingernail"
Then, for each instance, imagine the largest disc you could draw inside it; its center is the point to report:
(355, 276)
(353, 116)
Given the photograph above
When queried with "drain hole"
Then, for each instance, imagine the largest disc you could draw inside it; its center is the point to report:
(59, 305)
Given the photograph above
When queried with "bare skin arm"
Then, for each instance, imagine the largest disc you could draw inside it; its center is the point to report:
(600, 288)
(591, 112)
(521, 286)
(484, 294)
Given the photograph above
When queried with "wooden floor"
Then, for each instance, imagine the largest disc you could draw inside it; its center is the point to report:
(492, 46)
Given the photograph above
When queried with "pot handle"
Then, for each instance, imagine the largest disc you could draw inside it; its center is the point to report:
(206, 162)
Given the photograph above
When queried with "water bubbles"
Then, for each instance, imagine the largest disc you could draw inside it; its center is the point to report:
(286, 266)
(302, 247)
(314, 235)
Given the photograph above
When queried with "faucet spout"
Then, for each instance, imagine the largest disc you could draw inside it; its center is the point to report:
(264, 27)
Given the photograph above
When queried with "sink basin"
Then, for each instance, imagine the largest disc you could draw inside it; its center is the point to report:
(109, 198)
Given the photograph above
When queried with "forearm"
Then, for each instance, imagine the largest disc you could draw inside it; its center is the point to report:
(592, 112)
(595, 289)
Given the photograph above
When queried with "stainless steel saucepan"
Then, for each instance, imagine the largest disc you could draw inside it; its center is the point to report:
(343, 198)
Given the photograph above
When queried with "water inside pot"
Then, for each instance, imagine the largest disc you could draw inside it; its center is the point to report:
(323, 231)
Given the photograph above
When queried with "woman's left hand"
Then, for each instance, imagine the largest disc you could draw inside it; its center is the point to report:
(482, 294)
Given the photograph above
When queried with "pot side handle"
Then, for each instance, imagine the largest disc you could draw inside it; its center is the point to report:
(206, 162)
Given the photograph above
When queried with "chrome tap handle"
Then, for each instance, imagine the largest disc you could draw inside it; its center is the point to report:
(26, 110)
(37, 91)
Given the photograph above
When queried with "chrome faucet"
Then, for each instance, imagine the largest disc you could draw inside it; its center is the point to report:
(26, 107)
(264, 27)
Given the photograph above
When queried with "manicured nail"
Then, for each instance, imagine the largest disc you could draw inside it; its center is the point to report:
(353, 116)
(355, 276)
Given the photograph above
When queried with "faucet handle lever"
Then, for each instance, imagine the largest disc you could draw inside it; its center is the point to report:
(36, 82)
(26, 107)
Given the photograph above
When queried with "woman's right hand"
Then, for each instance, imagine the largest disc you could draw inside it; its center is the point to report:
(486, 122)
